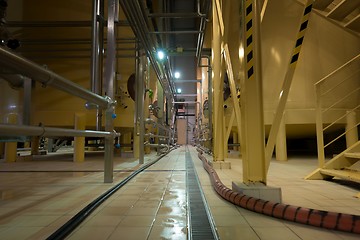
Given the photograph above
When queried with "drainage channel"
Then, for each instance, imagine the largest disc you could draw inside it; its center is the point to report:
(200, 221)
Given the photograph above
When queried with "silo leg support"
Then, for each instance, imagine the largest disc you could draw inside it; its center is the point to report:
(287, 83)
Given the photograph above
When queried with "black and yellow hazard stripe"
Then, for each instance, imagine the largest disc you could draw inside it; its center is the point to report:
(301, 33)
(249, 35)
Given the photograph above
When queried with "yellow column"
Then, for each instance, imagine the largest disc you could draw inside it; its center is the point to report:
(252, 116)
(2, 149)
(10, 147)
(352, 135)
(35, 144)
(218, 110)
(235, 140)
(79, 142)
(281, 151)
(126, 139)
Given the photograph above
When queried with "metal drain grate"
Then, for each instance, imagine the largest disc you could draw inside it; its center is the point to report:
(200, 227)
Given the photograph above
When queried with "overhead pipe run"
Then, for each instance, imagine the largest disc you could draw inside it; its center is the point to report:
(11, 61)
(21, 130)
(133, 12)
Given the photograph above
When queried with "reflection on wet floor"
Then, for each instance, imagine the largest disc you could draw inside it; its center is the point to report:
(40, 196)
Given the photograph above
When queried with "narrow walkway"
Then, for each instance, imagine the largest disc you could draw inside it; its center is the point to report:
(40, 196)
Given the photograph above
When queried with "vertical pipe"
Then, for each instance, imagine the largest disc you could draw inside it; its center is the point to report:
(109, 89)
(139, 121)
(210, 100)
(27, 101)
(96, 54)
(136, 142)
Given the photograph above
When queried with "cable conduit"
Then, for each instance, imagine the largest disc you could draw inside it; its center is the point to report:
(313, 217)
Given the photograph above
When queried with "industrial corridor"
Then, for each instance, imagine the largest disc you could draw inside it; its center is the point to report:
(39, 197)
(180, 119)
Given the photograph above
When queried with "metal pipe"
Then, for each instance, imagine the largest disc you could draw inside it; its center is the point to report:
(71, 41)
(155, 136)
(52, 24)
(174, 15)
(24, 130)
(134, 15)
(202, 27)
(176, 32)
(109, 88)
(27, 101)
(97, 55)
(32, 70)
(150, 120)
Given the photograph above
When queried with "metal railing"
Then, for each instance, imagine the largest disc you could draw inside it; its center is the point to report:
(337, 101)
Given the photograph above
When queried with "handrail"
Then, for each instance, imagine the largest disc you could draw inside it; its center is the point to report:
(335, 80)
(334, 87)
(338, 137)
(352, 110)
(340, 100)
(338, 69)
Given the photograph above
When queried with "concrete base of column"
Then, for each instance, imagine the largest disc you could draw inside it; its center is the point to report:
(220, 165)
(258, 190)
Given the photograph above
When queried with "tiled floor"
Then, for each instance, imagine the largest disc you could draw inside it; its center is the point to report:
(38, 197)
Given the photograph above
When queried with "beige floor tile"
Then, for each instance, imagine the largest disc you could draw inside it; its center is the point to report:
(16, 233)
(130, 233)
(226, 221)
(138, 221)
(113, 211)
(142, 211)
(103, 220)
(91, 233)
(232, 233)
(275, 233)
(312, 233)
(172, 211)
(170, 221)
(173, 233)
(258, 220)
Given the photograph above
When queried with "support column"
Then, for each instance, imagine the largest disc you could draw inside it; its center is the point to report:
(125, 138)
(235, 140)
(281, 151)
(252, 117)
(110, 68)
(11, 147)
(352, 135)
(218, 110)
(35, 144)
(2, 149)
(79, 142)
(139, 107)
